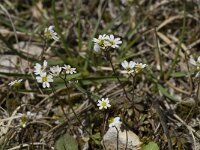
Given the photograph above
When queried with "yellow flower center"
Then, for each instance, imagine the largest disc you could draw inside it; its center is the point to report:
(24, 120)
(138, 68)
(111, 120)
(104, 104)
(198, 68)
(101, 42)
(48, 34)
(44, 79)
(112, 42)
(68, 68)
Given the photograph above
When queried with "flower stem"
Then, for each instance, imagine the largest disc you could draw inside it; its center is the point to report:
(133, 83)
(68, 95)
(114, 71)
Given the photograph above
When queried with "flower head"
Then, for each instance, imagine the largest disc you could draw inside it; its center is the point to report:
(100, 40)
(49, 33)
(128, 66)
(103, 103)
(38, 69)
(55, 70)
(106, 41)
(196, 64)
(115, 122)
(44, 79)
(15, 83)
(139, 67)
(69, 70)
(112, 41)
(25, 117)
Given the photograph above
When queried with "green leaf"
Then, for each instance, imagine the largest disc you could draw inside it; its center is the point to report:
(165, 92)
(97, 138)
(151, 146)
(66, 142)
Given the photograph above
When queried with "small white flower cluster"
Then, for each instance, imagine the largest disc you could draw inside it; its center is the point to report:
(27, 116)
(196, 64)
(49, 33)
(104, 103)
(15, 83)
(45, 78)
(106, 41)
(132, 67)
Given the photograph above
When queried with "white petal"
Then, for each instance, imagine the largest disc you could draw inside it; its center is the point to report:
(198, 59)
(51, 27)
(95, 40)
(132, 64)
(47, 84)
(124, 64)
(49, 79)
(112, 37)
(97, 48)
(192, 61)
(45, 63)
(43, 74)
(39, 79)
(198, 74)
(44, 85)
(20, 80)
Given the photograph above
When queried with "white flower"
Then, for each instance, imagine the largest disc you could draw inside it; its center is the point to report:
(112, 41)
(49, 33)
(103, 103)
(44, 79)
(15, 82)
(97, 48)
(69, 70)
(55, 70)
(128, 66)
(38, 69)
(25, 117)
(139, 67)
(99, 43)
(196, 64)
(115, 122)
(101, 40)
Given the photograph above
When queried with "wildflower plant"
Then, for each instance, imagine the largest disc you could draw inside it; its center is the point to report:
(52, 84)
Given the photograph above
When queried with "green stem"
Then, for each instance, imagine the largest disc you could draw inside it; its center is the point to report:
(107, 54)
(68, 95)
